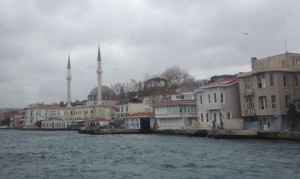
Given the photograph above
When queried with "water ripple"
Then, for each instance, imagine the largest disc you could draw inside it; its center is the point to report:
(41, 154)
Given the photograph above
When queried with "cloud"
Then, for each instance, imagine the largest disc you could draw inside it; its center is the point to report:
(136, 37)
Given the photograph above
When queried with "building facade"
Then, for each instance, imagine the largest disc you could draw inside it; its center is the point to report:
(183, 95)
(43, 112)
(218, 105)
(126, 107)
(268, 89)
(140, 120)
(176, 115)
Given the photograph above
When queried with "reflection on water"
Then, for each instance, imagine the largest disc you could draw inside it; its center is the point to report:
(39, 154)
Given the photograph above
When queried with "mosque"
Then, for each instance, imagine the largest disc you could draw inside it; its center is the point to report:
(96, 106)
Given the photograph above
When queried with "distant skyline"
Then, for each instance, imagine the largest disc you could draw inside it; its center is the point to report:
(136, 37)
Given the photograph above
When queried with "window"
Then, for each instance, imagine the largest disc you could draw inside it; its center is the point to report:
(248, 83)
(296, 80)
(261, 81)
(249, 103)
(271, 79)
(297, 106)
(200, 98)
(208, 98)
(220, 116)
(215, 117)
(263, 102)
(222, 97)
(273, 101)
(285, 82)
(207, 117)
(201, 115)
(126, 108)
(296, 62)
(228, 115)
(215, 97)
(287, 101)
(92, 111)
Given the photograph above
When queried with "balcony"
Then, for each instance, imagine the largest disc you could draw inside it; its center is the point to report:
(249, 112)
(248, 92)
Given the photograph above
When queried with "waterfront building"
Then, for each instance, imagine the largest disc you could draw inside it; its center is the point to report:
(183, 95)
(55, 124)
(180, 114)
(140, 120)
(126, 107)
(148, 104)
(218, 105)
(17, 118)
(268, 89)
(42, 112)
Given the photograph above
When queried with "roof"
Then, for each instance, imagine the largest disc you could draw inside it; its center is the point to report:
(178, 102)
(104, 89)
(223, 82)
(141, 114)
(48, 106)
(274, 56)
(184, 91)
(3, 114)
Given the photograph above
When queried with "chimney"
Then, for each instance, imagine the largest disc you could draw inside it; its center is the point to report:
(253, 60)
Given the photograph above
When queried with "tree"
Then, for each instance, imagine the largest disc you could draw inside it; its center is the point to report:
(292, 116)
(179, 78)
(158, 89)
(5, 121)
(38, 123)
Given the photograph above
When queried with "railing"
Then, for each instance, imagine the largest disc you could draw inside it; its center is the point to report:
(250, 112)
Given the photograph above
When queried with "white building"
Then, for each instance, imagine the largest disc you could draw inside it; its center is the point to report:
(183, 95)
(180, 114)
(43, 112)
(56, 124)
(218, 105)
(126, 107)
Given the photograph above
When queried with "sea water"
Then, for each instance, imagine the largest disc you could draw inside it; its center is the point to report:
(67, 154)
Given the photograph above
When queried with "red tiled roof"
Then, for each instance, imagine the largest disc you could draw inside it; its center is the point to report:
(48, 106)
(167, 103)
(3, 114)
(141, 114)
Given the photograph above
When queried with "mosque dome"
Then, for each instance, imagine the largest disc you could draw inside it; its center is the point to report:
(107, 93)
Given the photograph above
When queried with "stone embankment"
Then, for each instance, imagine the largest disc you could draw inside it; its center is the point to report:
(218, 134)
(292, 136)
(109, 131)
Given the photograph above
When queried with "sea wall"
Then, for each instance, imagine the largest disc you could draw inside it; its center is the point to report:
(294, 136)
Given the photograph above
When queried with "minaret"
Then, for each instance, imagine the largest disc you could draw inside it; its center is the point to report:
(69, 84)
(99, 72)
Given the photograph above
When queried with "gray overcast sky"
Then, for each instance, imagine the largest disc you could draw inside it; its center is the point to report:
(205, 37)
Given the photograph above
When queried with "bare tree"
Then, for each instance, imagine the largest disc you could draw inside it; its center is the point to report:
(158, 89)
(176, 76)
